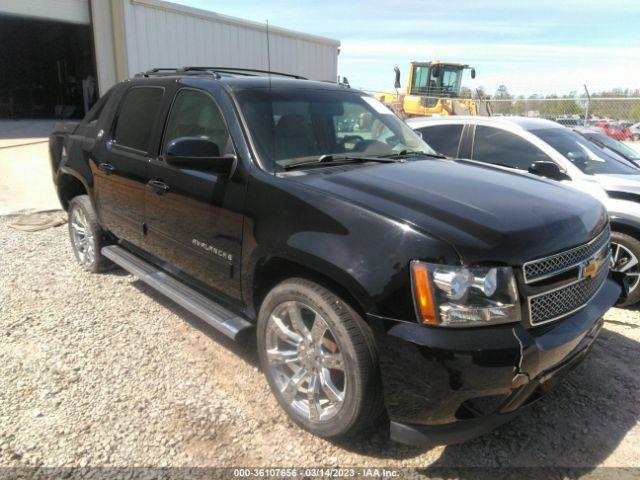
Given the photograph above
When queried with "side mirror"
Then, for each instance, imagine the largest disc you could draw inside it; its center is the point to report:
(198, 154)
(548, 170)
(397, 82)
(473, 73)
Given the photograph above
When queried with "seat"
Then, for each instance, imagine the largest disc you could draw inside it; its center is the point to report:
(293, 137)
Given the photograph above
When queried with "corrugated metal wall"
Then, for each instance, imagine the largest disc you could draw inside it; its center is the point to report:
(161, 34)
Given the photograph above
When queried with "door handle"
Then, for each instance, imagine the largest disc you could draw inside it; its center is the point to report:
(158, 186)
(106, 167)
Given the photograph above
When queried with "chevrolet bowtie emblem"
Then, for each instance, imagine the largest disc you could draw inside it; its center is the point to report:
(590, 270)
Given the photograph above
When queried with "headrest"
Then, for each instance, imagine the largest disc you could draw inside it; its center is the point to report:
(292, 125)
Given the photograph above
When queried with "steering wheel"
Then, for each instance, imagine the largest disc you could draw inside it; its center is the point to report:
(349, 138)
(392, 141)
(372, 147)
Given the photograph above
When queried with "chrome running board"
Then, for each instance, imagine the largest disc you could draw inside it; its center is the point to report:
(202, 307)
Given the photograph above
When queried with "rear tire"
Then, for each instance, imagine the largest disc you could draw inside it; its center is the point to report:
(87, 237)
(319, 358)
(625, 252)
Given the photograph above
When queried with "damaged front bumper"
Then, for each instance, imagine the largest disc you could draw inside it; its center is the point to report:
(445, 386)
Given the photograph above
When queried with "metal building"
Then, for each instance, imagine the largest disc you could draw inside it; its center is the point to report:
(57, 56)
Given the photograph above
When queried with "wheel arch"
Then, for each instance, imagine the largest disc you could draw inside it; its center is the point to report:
(270, 272)
(625, 226)
(70, 186)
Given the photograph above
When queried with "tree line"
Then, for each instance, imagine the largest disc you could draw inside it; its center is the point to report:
(602, 104)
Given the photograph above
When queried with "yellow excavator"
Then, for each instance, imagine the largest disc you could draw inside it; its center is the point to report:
(433, 89)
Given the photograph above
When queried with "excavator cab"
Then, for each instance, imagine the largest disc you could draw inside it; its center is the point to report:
(436, 79)
(433, 88)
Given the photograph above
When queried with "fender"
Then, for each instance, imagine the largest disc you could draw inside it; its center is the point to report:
(627, 223)
(365, 253)
(78, 165)
(86, 181)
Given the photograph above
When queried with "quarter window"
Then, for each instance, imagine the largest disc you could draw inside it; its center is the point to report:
(137, 116)
(94, 114)
(194, 114)
(493, 145)
(444, 139)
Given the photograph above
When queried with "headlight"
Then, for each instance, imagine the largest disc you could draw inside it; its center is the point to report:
(452, 296)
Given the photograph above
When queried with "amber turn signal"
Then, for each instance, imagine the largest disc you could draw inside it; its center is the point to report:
(422, 293)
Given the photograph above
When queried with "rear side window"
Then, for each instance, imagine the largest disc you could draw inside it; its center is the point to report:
(493, 145)
(444, 139)
(137, 116)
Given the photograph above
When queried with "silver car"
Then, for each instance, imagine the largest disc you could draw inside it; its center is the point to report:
(551, 150)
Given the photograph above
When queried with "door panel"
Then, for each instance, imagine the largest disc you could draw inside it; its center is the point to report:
(120, 176)
(121, 164)
(195, 223)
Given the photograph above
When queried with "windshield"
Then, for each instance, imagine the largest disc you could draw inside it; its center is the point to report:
(614, 145)
(583, 153)
(446, 84)
(289, 126)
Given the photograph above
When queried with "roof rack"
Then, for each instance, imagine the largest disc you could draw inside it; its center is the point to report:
(212, 71)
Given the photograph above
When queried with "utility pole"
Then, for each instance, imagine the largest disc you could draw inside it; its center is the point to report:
(586, 114)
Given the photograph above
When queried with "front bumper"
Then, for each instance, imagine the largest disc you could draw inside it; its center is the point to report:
(445, 386)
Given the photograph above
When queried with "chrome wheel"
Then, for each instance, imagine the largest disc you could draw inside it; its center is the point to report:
(305, 361)
(82, 237)
(623, 260)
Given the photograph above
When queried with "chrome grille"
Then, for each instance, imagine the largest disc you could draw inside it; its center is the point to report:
(552, 305)
(537, 270)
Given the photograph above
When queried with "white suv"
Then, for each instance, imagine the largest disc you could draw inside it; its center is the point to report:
(551, 150)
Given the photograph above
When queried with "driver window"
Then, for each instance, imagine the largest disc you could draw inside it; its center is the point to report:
(194, 114)
(493, 145)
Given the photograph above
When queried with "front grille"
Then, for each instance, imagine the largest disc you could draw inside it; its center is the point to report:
(537, 270)
(550, 306)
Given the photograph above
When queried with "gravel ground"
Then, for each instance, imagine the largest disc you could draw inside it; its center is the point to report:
(99, 370)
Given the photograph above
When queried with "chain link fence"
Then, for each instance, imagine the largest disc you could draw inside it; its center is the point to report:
(572, 111)
(612, 112)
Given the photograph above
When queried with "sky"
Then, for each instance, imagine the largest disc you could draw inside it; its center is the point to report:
(541, 46)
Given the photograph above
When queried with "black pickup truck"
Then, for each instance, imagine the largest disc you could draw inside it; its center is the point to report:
(376, 275)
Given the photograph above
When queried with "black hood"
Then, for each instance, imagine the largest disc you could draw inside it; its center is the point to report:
(486, 213)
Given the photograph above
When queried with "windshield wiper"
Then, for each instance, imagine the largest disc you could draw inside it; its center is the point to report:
(338, 158)
(412, 153)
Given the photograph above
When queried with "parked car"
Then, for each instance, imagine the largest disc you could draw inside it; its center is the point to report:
(615, 131)
(374, 273)
(608, 143)
(569, 121)
(635, 131)
(548, 149)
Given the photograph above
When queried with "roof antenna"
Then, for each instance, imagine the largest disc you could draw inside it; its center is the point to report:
(268, 57)
(273, 126)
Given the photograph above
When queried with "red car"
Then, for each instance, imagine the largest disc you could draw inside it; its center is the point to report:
(615, 131)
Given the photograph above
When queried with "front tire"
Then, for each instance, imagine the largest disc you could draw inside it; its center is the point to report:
(625, 258)
(87, 237)
(319, 358)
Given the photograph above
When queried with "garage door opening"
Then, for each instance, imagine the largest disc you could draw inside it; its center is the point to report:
(48, 69)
